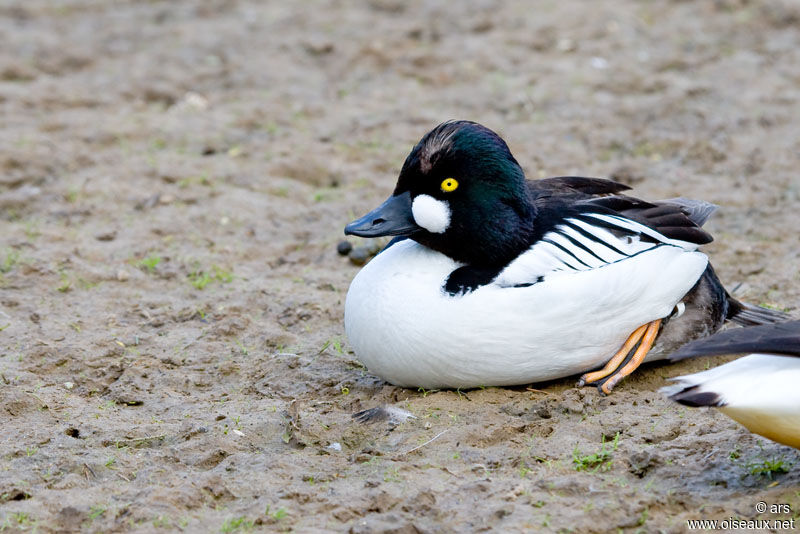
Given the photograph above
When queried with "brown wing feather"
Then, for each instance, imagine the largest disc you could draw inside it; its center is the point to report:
(578, 185)
(667, 218)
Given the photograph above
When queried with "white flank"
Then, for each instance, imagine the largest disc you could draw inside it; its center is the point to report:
(405, 329)
(759, 391)
(431, 214)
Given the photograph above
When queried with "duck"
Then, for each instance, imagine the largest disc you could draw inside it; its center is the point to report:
(495, 280)
(759, 390)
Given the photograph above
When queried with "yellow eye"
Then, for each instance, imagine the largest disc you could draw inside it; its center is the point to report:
(449, 184)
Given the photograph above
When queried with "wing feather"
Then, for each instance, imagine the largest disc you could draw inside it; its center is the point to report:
(780, 338)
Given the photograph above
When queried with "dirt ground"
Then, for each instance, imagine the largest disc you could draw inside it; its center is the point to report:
(174, 179)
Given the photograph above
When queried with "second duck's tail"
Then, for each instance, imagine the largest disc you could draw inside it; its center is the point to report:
(746, 314)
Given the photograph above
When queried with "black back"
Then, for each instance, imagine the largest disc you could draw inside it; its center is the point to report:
(578, 185)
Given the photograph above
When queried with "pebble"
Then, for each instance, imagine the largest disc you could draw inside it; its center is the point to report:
(318, 47)
(195, 100)
(122, 275)
(344, 248)
(359, 255)
(106, 236)
(147, 203)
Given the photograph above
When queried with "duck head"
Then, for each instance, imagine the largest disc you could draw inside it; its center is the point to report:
(460, 192)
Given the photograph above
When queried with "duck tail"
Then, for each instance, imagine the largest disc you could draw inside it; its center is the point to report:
(746, 314)
(693, 396)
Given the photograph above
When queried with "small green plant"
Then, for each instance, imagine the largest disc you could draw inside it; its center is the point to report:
(643, 517)
(21, 519)
(199, 279)
(96, 511)
(768, 467)
(71, 195)
(32, 230)
(278, 514)
(237, 524)
(599, 461)
(335, 342)
(149, 263)
(65, 284)
(392, 474)
(242, 348)
(11, 259)
(161, 522)
(282, 192)
(222, 275)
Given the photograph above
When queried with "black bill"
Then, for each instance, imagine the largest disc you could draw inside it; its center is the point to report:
(393, 217)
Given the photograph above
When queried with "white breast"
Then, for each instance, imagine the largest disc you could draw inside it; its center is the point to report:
(759, 391)
(405, 329)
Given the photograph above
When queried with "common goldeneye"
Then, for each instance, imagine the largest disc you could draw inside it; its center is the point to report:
(760, 390)
(497, 280)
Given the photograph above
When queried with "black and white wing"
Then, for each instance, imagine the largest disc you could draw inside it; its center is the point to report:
(600, 232)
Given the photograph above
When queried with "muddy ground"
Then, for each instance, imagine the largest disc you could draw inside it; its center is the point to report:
(174, 179)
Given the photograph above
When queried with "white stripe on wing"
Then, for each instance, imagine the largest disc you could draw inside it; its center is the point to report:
(579, 245)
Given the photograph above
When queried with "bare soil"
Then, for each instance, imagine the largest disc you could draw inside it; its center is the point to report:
(174, 179)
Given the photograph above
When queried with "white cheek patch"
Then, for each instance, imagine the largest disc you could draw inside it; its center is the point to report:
(431, 214)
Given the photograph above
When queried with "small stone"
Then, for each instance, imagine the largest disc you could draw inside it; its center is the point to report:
(344, 248)
(318, 47)
(359, 255)
(195, 100)
(335, 446)
(106, 236)
(122, 275)
(565, 45)
(166, 199)
(641, 462)
(69, 385)
(571, 401)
